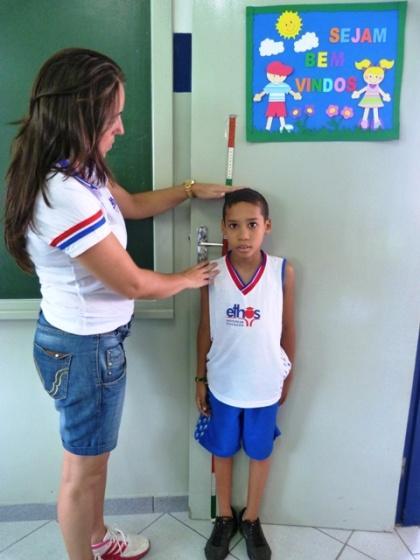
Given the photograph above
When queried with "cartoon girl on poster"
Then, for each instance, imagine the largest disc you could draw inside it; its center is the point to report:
(373, 95)
(276, 90)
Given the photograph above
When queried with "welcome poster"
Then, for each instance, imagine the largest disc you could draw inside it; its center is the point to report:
(324, 72)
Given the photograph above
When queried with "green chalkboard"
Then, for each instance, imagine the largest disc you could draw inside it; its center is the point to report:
(30, 32)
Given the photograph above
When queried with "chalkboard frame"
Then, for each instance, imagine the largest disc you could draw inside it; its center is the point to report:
(162, 169)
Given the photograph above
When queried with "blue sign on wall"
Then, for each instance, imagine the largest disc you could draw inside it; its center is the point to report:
(324, 72)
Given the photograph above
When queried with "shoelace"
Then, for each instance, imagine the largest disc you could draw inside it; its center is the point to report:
(219, 526)
(255, 532)
(117, 537)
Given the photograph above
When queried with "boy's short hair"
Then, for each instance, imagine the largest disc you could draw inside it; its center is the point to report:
(246, 195)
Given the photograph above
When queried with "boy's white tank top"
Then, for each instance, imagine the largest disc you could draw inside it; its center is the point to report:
(246, 365)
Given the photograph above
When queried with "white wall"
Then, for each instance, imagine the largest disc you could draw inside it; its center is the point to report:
(347, 215)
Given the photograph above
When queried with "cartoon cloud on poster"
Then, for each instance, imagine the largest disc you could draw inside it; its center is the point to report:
(324, 72)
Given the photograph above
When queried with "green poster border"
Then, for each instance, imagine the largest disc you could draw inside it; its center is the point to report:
(323, 135)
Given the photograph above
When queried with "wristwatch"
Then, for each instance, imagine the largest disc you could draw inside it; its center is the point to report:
(188, 185)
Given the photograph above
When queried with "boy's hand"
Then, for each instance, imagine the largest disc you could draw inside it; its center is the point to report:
(285, 390)
(201, 398)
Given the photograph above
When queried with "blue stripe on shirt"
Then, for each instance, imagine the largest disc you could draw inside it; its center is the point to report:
(81, 234)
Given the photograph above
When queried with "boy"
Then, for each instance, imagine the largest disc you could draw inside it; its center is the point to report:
(247, 320)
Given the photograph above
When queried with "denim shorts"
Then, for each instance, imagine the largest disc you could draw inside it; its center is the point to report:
(86, 377)
(227, 427)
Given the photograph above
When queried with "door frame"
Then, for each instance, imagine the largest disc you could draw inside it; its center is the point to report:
(408, 506)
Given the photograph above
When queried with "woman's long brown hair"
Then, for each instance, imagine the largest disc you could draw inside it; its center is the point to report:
(72, 100)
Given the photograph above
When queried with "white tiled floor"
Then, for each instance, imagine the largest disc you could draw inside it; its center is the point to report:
(175, 537)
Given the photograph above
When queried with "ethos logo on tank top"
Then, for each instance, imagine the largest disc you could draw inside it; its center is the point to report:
(237, 317)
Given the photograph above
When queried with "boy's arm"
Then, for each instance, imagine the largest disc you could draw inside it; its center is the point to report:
(288, 335)
(203, 347)
(297, 96)
(259, 96)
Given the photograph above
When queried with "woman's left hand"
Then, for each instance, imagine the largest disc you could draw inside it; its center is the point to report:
(210, 190)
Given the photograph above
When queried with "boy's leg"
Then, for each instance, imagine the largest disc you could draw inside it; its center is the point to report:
(258, 475)
(256, 544)
(226, 524)
(259, 433)
(223, 470)
(222, 439)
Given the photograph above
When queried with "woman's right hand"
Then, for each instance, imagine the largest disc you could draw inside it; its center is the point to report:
(111, 264)
(201, 274)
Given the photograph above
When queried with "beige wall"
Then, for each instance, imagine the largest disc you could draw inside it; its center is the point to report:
(347, 215)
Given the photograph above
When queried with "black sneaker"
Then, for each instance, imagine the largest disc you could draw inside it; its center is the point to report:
(217, 547)
(256, 545)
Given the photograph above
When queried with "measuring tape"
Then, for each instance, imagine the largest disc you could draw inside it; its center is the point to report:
(229, 165)
(230, 149)
(228, 182)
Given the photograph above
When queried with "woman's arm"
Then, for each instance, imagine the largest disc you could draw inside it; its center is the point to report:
(150, 203)
(288, 334)
(111, 264)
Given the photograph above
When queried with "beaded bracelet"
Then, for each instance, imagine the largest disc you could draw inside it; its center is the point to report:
(200, 380)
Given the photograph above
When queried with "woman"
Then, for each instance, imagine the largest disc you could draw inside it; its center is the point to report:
(65, 220)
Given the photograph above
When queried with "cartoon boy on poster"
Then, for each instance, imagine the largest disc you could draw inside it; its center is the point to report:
(276, 90)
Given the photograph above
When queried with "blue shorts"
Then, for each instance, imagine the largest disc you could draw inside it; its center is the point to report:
(86, 377)
(228, 426)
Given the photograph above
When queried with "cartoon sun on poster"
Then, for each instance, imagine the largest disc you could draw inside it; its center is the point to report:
(324, 72)
(289, 24)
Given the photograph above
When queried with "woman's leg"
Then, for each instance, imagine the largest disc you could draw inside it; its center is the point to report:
(99, 528)
(258, 475)
(80, 503)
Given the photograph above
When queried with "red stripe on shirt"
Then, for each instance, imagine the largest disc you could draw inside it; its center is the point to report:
(75, 228)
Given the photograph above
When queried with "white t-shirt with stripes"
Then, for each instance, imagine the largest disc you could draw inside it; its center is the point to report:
(246, 365)
(80, 215)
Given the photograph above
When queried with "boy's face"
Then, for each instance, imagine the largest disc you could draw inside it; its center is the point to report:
(275, 78)
(245, 227)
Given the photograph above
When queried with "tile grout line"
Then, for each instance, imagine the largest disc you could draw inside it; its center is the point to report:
(187, 526)
(152, 522)
(231, 551)
(330, 536)
(361, 552)
(404, 543)
(204, 536)
(344, 544)
(25, 536)
(371, 557)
